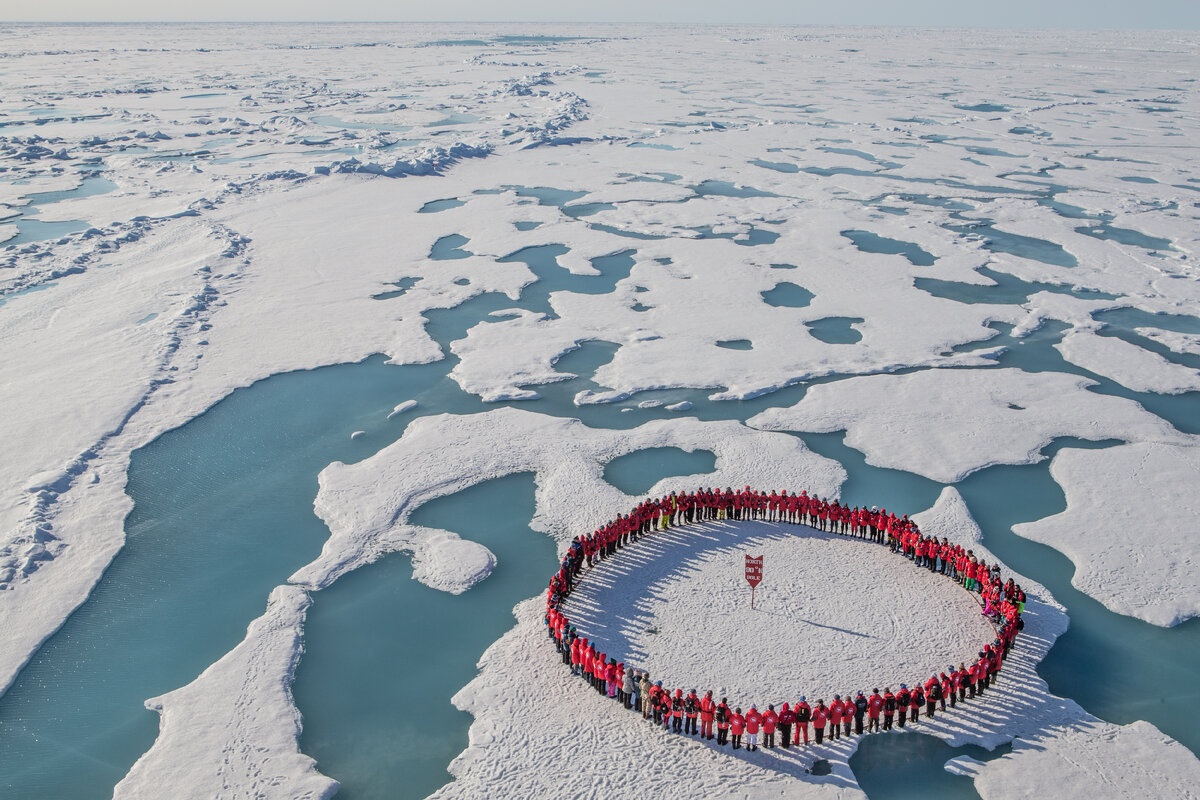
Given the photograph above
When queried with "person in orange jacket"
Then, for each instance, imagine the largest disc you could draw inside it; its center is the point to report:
(820, 716)
(737, 724)
(769, 721)
(708, 709)
(753, 721)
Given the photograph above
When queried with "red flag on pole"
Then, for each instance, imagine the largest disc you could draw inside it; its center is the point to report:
(754, 573)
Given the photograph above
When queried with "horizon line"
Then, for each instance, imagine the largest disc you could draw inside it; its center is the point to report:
(830, 25)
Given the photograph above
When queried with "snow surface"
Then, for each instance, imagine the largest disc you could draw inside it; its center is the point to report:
(407, 405)
(679, 606)
(945, 424)
(1179, 342)
(1087, 760)
(366, 504)
(1113, 493)
(519, 673)
(247, 698)
(268, 184)
(444, 561)
(1129, 365)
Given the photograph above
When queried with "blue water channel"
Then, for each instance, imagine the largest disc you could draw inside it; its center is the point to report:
(223, 513)
(36, 230)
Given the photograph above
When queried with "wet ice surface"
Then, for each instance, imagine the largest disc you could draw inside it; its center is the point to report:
(656, 223)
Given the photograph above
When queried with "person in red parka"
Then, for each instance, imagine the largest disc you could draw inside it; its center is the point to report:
(723, 714)
(835, 718)
(980, 672)
(691, 709)
(737, 724)
(803, 717)
(933, 693)
(916, 700)
(707, 709)
(820, 716)
(753, 721)
(769, 721)
(787, 718)
(874, 707)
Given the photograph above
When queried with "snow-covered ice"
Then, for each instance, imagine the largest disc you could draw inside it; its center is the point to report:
(513, 687)
(273, 199)
(234, 731)
(946, 423)
(679, 607)
(1088, 759)
(1111, 495)
(407, 405)
(1129, 365)
(366, 504)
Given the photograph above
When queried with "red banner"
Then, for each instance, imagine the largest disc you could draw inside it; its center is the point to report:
(754, 570)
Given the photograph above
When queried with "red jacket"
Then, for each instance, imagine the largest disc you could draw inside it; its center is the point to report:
(737, 724)
(769, 721)
(707, 709)
(753, 720)
(874, 706)
(820, 715)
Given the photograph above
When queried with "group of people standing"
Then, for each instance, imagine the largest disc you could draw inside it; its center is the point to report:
(707, 718)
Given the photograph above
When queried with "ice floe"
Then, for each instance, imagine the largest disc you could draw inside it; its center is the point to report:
(1112, 495)
(946, 423)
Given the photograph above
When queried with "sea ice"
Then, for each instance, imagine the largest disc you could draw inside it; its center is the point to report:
(1135, 368)
(365, 504)
(1114, 493)
(1087, 759)
(407, 405)
(234, 730)
(945, 424)
(261, 204)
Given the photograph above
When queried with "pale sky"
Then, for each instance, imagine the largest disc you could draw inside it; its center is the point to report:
(1164, 14)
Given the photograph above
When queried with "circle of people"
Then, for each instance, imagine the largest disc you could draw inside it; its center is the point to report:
(1002, 603)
